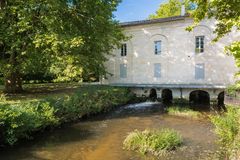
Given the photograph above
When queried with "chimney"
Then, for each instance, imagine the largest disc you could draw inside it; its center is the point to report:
(183, 12)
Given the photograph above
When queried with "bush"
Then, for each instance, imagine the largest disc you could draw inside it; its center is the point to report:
(183, 111)
(227, 128)
(153, 141)
(21, 120)
(91, 100)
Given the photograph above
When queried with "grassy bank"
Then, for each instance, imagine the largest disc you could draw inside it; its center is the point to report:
(227, 128)
(156, 142)
(21, 120)
(183, 112)
(36, 92)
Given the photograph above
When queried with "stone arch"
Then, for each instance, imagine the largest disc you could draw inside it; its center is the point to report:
(157, 37)
(167, 96)
(220, 98)
(199, 97)
(130, 48)
(202, 29)
(153, 94)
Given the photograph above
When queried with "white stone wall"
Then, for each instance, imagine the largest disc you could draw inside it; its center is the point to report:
(177, 93)
(178, 57)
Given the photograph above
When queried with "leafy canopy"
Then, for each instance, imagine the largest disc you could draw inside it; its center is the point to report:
(227, 14)
(35, 34)
(171, 8)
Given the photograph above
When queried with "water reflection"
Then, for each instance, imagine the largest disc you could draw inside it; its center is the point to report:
(101, 137)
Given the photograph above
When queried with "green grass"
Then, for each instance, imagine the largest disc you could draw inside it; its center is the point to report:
(36, 92)
(183, 111)
(156, 142)
(227, 129)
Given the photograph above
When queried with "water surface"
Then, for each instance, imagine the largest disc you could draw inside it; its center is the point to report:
(101, 137)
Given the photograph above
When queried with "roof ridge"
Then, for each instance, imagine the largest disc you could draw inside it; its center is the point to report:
(152, 21)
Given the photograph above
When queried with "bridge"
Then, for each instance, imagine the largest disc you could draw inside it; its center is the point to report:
(194, 93)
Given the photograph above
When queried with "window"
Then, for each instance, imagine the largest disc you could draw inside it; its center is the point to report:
(157, 70)
(199, 71)
(123, 71)
(158, 47)
(199, 44)
(124, 50)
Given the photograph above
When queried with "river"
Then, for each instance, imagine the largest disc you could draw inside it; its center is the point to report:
(101, 137)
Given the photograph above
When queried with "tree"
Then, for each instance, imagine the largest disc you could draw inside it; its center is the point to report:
(227, 14)
(171, 8)
(36, 33)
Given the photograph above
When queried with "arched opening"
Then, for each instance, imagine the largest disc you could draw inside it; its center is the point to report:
(221, 98)
(153, 94)
(167, 96)
(199, 97)
(220, 103)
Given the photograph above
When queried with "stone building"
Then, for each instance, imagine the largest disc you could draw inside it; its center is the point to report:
(162, 57)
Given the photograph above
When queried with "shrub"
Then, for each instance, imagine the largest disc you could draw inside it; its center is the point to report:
(3, 98)
(153, 141)
(227, 128)
(91, 100)
(183, 111)
(21, 120)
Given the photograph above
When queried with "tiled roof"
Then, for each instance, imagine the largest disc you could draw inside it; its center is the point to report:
(152, 21)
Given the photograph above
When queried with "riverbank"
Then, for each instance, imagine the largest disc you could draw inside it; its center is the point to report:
(23, 119)
(101, 136)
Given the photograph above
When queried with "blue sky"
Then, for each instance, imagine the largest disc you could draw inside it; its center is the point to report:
(132, 10)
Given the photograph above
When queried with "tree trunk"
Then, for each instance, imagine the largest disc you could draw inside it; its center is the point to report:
(13, 79)
(13, 83)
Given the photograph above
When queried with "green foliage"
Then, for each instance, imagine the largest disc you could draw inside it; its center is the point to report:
(227, 14)
(153, 141)
(183, 111)
(234, 49)
(227, 128)
(91, 100)
(3, 98)
(171, 8)
(19, 121)
(36, 35)
(232, 90)
(65, 69)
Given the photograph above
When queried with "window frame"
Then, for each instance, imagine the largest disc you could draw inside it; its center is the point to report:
(123, 73)
(156, 52)
(124, 50)
(198, 67)
(199, 44)
(156, 73)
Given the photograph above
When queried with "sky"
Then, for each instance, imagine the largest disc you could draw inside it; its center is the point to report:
(132, 10)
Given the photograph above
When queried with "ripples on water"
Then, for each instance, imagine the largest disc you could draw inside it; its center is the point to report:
(101, 137)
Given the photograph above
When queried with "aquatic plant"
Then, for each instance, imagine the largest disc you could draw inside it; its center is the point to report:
(156, 142)
(183, 111)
